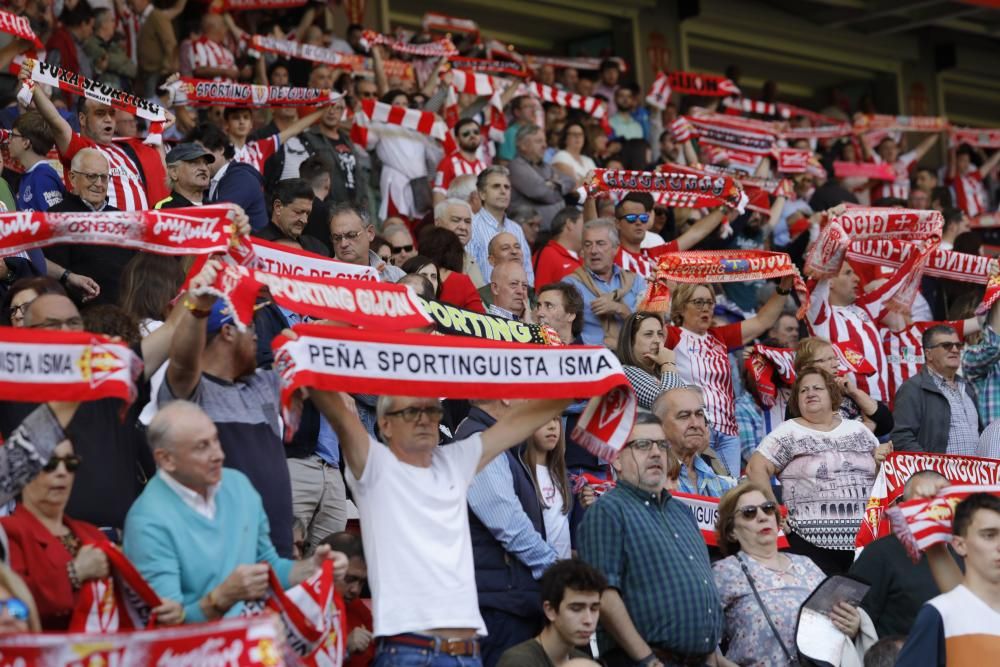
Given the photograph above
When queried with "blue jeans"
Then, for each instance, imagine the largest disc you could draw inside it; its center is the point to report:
(397, 655)
(729, 450)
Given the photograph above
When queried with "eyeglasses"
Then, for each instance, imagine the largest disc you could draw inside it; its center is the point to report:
(72, 462)
(701, 304)
(93, 178)
(18, 311)
(15, 608)
(412, 414)
(350, 236)
(401, 248)
(950, 346)
(750, 511)
(646, 444)
(15, 135)
(633, 217)
(72, 323)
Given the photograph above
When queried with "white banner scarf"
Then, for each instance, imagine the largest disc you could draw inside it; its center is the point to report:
(292, 49)
(38, 365)
(979, 138)
(948, 264)
(734, 134)
(195, 230)
(441, 48)
(406, 364)
(288, 261)
(203, 92)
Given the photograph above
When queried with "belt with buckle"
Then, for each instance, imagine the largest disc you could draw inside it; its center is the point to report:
(686, 659)
(456, 647)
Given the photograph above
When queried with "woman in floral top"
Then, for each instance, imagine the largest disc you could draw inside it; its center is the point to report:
(747, 529)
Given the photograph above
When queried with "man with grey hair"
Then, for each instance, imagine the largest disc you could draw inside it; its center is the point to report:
(494, 191)
(351, 235)
(464, 188)
(199, 533)
(609, 293)
(685, 426)
(188, 175)
(535, 182)
(455, 214)
(411, 496)
(88, 179)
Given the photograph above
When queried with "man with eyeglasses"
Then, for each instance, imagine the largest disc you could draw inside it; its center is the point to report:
(400, 243)
(685, 425)
(88, 179)
(351, 235)
(468, 159)
(661, 606)
(634, 217)
(411, 495)
(936, 410)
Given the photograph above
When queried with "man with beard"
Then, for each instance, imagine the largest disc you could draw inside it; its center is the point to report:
(466, 160)
(189, 174)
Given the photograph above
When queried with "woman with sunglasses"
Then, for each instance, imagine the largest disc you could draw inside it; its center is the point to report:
(826, 466)
(648, 363)
(747, 531)
(52, 552)
(702, 354)
(17, 608)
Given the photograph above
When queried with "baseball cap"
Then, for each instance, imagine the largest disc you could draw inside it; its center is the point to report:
(220, 316)
(187, 152)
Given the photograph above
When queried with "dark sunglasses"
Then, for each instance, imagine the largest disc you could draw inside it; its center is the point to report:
(402, 248)
(72, 462)
(950, 346)
(750, 511)
(15, 608)
(633, 217)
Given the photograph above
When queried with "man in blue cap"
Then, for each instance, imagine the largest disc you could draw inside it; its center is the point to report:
(188, 174)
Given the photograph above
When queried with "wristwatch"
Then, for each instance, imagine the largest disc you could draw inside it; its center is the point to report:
(64, 278)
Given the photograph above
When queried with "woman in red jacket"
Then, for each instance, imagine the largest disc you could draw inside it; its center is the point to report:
(53, 553)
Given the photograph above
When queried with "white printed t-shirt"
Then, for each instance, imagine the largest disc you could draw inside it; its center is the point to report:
(415, 529)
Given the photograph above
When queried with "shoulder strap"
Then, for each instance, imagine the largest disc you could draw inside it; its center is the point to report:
(628, 279)
(767, 615)
(581, 274)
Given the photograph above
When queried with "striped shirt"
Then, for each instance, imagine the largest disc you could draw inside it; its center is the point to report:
(256, 153)
(126, 190)
(641, 262)
(970, 195)
(904, 352)
(456, 165)
(131, 24)
(206, 53)
(900, 188)
(980, 366)
(703, 361)
(484, 228)
(650, 549)
(854, 323)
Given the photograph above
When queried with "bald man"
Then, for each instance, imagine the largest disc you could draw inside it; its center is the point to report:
(509, 287)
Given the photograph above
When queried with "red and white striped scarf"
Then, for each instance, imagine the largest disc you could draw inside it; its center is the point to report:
(20, 27)
(121, 601)
(70, 82)
(887, 123)
(441, 48)
(733, 134)
(765, 366)
(472, 83)
(677, 189)
(381, 362)
(203, 92)
(745, 105)
(423, 122)
(688, 83)
(757, 199)
(795, 160)
(292, 49)
(591, 105)
(436, 22)
(500, 66)
(979, 138)
(40, 365)
(924, 522)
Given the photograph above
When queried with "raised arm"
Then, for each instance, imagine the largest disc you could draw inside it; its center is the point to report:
(517, 426)
(301, 125)
(768, 313)
(190, 334)
(378, 62)
(62, 133)
(699, 230)
(339, 411)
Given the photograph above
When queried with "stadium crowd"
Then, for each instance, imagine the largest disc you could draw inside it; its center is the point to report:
(488, 532)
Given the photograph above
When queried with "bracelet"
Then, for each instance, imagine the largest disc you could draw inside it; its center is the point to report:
(783, 291)
(200, 313)
(64, 278)
(648, 660)
(74, 578)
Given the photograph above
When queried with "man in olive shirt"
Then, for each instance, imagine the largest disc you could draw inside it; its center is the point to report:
(571, 600)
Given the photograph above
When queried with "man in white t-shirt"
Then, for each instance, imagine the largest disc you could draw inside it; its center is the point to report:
(411, 497)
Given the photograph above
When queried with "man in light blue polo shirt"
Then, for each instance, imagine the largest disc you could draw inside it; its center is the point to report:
(609, 293)
(493, 184)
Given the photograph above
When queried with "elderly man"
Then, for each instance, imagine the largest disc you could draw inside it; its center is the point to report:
(559, 306)
(198, 533)
(400, 243)
(682, 412)
(494, 191)
(88, 181)
(561, 255)
(412, 496)
(609, 293)
(291, 204)
(189, 174)
(535, 183)
(661, 606)
(509, 287)
(935, 410)
(351, 235)
(456, 215)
